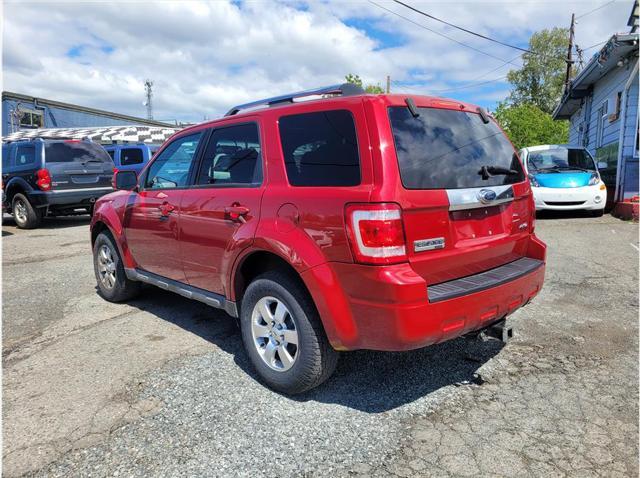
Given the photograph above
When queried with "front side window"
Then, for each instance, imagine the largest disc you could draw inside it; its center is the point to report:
(129, 156)
(171, 168)
(558, 159)
(233, 157)
(451, 149)
(320, 149)
(25, 155)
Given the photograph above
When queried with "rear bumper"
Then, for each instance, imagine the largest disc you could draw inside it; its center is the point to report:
(388, 308)
(564, 199)
(68, 198)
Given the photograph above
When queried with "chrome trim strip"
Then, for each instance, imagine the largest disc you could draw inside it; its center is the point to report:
(471, 198)
(209, 298)
(81, 190)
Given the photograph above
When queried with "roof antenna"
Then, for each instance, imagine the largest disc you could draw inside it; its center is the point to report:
(484, 115)
(412, 107)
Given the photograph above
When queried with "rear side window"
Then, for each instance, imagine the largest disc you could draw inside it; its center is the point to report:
(449, 149)
(112, 154)
(25, 155)
(233, 157)
(320, 149)
(129, 156)
(75, 151)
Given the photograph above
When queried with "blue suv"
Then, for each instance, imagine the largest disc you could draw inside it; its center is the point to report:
(131, 157)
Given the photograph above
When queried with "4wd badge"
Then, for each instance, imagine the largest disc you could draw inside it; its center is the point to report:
(428, 244)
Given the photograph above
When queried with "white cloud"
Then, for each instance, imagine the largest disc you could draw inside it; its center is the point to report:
(206, 56)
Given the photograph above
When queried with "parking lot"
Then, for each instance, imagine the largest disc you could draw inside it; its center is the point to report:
(161, 386)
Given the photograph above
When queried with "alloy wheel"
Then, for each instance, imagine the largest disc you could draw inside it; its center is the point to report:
(106, 267)
(274, 333)
(20, 211)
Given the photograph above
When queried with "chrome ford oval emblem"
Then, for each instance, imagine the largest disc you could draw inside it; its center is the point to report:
(485, 196)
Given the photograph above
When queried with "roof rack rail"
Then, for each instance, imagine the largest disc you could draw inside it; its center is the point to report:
(344, 89)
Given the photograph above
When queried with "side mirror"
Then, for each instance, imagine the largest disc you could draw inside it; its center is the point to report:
(602, 165)
(125, 180)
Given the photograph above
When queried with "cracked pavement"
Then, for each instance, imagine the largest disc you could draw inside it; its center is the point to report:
(161, 386)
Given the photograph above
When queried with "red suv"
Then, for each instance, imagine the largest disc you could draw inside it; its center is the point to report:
(346, 221)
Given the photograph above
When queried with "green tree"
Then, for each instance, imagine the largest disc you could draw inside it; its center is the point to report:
(540, 80)
(356, 80)
(527, 125)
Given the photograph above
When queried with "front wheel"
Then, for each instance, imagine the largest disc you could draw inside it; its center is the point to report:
(597, 213)
(283, 336)
(113, 284)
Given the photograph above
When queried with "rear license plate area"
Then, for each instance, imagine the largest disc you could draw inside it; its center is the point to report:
(478, 223)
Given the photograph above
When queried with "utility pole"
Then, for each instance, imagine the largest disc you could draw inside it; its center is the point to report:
(388, 84)
(148, 84)
(569, 60)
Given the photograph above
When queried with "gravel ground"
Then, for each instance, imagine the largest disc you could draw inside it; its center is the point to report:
(161, 386)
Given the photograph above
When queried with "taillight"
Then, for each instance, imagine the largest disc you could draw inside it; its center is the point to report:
(43, 179)
(113, 178)
(532, 219)
(376, 233)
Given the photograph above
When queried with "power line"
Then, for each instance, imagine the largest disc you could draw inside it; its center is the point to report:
(480, 35)
(595, 9)
(470, 85)
(597, 44)
(437, 33)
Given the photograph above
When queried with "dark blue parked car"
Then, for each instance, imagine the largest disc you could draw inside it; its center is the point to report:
(131, 157)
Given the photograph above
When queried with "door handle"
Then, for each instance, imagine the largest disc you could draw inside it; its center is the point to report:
(236, 213)
(165, 209)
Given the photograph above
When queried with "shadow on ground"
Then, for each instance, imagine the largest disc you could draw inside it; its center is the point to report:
(50, 222)
(369, 381)
(575, 214)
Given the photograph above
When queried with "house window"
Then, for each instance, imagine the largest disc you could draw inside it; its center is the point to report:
(31, 119)
(602, 118)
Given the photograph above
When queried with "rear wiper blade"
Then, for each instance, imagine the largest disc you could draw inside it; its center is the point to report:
(488, 171)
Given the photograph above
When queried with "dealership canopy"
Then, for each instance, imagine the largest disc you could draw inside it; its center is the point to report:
(110, 134)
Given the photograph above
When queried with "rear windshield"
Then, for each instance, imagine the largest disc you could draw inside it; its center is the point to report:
(449, 149)
(80, 151)
(560, 159)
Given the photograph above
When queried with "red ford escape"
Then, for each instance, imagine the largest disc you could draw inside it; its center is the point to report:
(346, 221)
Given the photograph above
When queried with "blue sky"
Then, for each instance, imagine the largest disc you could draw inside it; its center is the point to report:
(206, 56)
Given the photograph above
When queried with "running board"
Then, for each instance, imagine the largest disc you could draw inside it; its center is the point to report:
(210, 298)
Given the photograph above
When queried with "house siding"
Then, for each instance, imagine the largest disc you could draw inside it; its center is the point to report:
(584, 128)
(606, 88)
(630, 169)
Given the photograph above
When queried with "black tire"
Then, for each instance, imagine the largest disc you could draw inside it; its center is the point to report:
(597, 213)
(25, 215)
(123, 289)
(315, 361)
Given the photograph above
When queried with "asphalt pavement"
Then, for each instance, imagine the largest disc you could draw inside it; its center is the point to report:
(161, 386)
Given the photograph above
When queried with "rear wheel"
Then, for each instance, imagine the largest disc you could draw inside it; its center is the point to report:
(283, 336)
(113, 284)
(25, 215)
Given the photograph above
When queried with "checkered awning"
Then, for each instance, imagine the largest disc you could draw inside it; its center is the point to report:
(131, 134)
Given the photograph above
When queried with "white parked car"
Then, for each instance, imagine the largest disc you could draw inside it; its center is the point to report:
(564, 178)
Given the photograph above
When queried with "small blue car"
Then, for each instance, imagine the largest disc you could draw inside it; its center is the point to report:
(131, 157)
(564, 178)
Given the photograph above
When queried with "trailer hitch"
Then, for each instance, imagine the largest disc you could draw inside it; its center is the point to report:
(501, 330)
